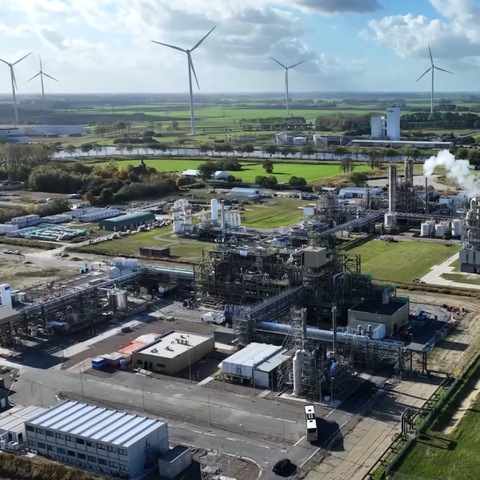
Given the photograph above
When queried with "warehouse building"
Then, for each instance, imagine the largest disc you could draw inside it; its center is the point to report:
(12, 424)
(107, 441)
(127, 222)
(391, 313)
(249, 193)
(173, 352)
(256, 364)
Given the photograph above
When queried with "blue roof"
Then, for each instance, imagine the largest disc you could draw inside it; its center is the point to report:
(130, 216)
(95, 423)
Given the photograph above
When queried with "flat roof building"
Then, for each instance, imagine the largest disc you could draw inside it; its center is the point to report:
(12, 423)
(173, 352)
(257, 363)
(127, 222)
(392, 313)
(104, 440)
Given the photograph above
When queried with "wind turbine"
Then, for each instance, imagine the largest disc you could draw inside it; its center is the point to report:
(14, 82)
(287, 99)
(191, 69)
(432, 69)
(42, 74)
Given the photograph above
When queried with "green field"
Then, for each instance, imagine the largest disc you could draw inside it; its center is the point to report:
(452, 456)
(462, 278)
(403, 261)
(283, 171)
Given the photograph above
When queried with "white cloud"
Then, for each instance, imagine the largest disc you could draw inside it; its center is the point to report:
(454, 35)
(113, 37)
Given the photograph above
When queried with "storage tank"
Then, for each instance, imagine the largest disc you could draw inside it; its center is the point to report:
(214, 209)
(390, 220)
(457, 228)
(6, 295)
(239, 219)
(113, 273)
(439, 230)
(117, 300)
(425, 230)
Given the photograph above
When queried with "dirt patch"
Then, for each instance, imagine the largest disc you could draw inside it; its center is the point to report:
(5, 246)
(456, 350)
(23, 276)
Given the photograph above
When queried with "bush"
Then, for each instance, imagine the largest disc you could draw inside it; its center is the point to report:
(21, 468)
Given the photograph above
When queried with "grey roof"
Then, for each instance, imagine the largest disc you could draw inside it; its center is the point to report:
(252, 191)
(254, 354)
(273, 362)
(130, 216)
(100, 424)
(14, 420)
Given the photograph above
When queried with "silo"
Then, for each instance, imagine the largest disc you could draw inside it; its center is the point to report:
(214, 209)
(6, 295)
(113, 273)
(457, 228)
(239, 219)
(390, 221)
(439, 230)
(121, 300)
(425, 230)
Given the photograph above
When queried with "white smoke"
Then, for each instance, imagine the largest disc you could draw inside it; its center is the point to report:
(457, 170)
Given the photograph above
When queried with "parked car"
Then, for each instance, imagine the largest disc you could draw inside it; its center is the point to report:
(281, 466)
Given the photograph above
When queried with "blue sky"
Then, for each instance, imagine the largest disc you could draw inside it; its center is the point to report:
(105, 45)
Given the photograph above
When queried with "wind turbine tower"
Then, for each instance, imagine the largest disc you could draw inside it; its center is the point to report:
(14, 82)
(191, 70)
(42, 74)
(287, 98)
(432, 69)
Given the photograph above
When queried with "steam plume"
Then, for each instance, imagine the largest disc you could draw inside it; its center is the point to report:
(457, 170)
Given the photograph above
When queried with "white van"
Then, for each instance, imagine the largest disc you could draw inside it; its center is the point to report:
(212, 317)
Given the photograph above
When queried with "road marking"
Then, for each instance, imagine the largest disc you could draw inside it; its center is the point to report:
(209, 434)
(282, 419)
(194, 431)
(231, 439)
(299, 441)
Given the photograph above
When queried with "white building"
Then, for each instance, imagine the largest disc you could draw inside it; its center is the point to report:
(103, 440)
(12, 135)
(388, 126)
(12, 423)
(46, 130)
(190, 173)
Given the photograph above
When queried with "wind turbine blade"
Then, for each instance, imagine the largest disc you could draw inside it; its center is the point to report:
(47, 75)
(442, 70)
(419, 78)
(430, 53)
(170, 46)
(281, 64)
(193, 70)
(297, 64)
(5, 62)
(23, 58)
(201, 41)
(40, 58)
(35, 76)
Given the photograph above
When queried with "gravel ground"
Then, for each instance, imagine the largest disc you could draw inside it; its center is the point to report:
(24, 276)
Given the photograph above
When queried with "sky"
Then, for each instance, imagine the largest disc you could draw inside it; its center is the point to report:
(94, 46)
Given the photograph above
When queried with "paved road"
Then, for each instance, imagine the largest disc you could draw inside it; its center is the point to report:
(260, 429)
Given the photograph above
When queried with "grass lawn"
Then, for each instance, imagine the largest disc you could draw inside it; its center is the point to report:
(283, 171)
(451, 456)
(130, 244)
(402, 261)
(461, 278)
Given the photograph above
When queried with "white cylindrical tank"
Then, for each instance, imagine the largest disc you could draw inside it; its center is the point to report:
(425, 230)
(113, 273)
(439, 230)
(239, 219)
(457, 228)
(390, 220)
(121, 300)
(177, 226)
(214, 209)
(297, 373)
(6, 295)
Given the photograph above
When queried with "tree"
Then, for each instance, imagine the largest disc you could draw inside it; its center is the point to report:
(248, 148)
(286, 151)
(100, 129)
(159, 125)
(358, 178)
(308, 150)
(347, 165)
(267, 166)
(374, 157)
(120, 148)
(71, 149)
(297, 182)
(462, 153)
(270, 150)
(106, 196)
(90, 198)
(129, 148)
(174, 125)
(207, 170)
(86, 147)
(97, 148)
(227, 148)
(204, 148)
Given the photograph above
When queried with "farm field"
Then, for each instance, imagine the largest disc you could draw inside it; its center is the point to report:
(462, 278)
(443, 453)
(403, 261)
(283, 171)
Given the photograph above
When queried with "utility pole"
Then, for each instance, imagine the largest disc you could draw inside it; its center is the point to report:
(334, 328)
(209, 409)
(143, 394)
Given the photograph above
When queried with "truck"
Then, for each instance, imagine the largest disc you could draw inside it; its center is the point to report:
(212, 317)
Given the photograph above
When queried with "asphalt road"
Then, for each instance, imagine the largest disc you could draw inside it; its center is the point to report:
(256, 428)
